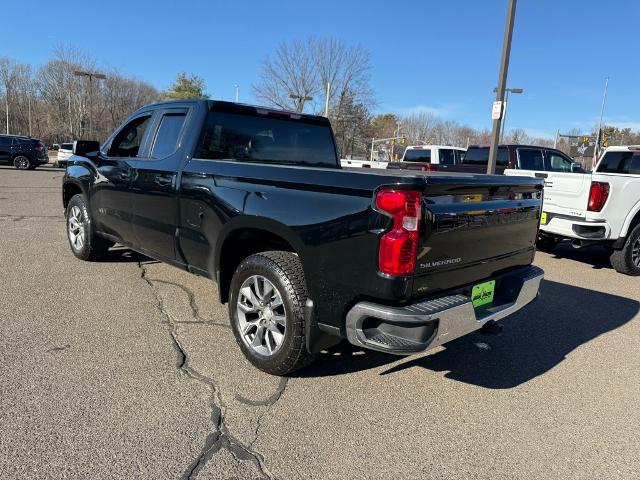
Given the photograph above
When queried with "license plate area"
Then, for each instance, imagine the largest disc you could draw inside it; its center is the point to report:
(482, 294)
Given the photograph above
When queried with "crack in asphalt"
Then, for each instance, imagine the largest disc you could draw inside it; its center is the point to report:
(221, 437)
(18, 218)
(195, 310)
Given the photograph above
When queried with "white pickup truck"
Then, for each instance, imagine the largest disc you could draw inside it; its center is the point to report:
(601, 207)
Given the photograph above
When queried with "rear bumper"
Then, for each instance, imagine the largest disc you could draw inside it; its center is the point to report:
(420, 326)
(583, 230)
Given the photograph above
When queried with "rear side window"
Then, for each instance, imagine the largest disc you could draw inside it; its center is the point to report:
(446, 156)
(480, 156)
(265, 138)
(616, 162)
(5, 142)
(530, 159)
(168, 135)
(412, 155)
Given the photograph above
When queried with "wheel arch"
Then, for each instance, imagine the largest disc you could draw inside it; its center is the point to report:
(633, 219)
(247, 238)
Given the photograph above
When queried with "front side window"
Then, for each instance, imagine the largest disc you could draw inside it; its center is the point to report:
(557, 163)
(128, 140)
(266, 138)
(530, 159)
(168, 135)
(415, 155)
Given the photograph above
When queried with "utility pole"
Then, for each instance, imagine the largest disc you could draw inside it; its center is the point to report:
(502, 82)
(555, 142)
(29, 98)
(91, 76)
(372, 142)
(596, 149)
(326, 100)
(237, 93)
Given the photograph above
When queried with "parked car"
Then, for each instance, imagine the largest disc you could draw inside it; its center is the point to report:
(304, 252)
(602, 207)
(512, 156)
(64, 153)
(54, 146)
(350, 163)
(24, 153)
(422, 157)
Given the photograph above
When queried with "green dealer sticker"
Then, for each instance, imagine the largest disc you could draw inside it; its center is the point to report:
(482, 293)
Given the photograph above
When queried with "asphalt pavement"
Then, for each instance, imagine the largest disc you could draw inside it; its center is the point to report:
(127, 368)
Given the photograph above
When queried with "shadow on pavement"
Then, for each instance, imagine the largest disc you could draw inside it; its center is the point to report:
(536, 339)
(597, 256)
(120, 254)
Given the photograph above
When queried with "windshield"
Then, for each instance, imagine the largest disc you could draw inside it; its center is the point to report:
(413, 155)
(66, 146)
(480, 156)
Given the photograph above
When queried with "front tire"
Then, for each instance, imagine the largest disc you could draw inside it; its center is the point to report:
(266, 307)
(22, 162)
(627, 259)
(83, 240)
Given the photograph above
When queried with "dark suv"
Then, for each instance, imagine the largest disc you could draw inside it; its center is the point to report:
(24, 153)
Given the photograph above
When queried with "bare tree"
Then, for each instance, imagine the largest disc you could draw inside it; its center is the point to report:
(290, 79)
(418, 127)
(299, 72)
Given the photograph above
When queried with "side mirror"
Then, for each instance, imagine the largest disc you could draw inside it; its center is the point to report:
(576, 167)
(85, 148)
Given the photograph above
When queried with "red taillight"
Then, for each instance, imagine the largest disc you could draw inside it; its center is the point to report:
(598, 196)
(429, 168)
(38, 147)
(398, 247)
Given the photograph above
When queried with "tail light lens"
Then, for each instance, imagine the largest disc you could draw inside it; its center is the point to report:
(598, 196)
(429, 168)
(398, 247)
(38, 147)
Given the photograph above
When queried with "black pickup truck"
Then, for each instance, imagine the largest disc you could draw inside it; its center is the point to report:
(304, 252)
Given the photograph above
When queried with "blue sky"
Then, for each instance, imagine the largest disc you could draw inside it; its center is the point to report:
(438, 55)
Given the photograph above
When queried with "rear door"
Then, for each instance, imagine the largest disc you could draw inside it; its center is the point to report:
(154, 184)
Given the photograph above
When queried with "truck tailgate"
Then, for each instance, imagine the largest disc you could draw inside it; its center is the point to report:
(473, 229)
(564, 193)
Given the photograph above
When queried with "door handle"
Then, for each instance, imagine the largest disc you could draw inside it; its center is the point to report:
(164, 181)
(123, 176)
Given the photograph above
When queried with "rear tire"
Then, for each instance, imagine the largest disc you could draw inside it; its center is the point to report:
(22, 162)
(266, 307)
(83, 240)
(627, 259)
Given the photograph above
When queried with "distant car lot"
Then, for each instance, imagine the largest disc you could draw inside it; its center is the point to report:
(128, 368)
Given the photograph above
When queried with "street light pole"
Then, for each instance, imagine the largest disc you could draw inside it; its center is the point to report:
(505, 105)
(502, 82)
(91, 76)
(29, 98)
(300, 99)
(237, 93)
